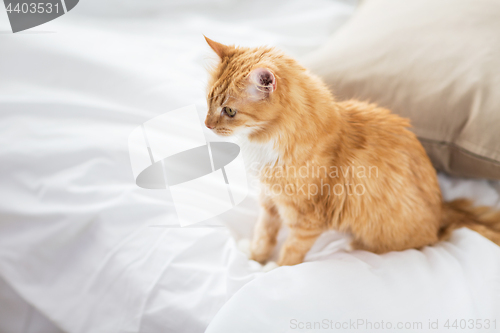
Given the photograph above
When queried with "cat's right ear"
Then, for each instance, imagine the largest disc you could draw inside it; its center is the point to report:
(218, 48)
(262, 83)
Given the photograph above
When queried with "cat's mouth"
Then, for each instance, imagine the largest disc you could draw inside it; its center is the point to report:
(223, 131)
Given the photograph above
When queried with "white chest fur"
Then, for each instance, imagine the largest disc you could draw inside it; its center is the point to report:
(258, 155)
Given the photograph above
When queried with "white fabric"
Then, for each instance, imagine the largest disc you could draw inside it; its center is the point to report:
(76, 236)
(16, 315)
(80, 244)
(362, 291)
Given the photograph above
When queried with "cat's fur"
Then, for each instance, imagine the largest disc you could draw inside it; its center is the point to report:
(294, 118)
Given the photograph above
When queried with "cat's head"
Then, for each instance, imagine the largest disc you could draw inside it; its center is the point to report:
(244, 90)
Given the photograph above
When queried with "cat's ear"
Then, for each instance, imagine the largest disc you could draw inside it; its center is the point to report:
(262, 83)
(218, 48)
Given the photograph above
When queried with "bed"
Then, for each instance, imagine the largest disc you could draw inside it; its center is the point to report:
(84, 249)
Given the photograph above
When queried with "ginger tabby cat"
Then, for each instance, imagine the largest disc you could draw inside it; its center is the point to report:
(328, 164)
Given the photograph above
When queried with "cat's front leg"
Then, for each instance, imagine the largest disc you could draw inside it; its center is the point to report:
(265, 232)
(296, 246)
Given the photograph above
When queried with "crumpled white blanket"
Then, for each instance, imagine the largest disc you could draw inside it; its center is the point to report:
(77, 246)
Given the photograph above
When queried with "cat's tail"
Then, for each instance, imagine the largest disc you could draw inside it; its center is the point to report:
(462, 213)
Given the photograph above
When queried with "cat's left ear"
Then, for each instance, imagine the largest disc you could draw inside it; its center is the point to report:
(218, 48)
(262, 83)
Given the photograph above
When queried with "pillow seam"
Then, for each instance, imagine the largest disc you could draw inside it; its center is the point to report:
(454, 145)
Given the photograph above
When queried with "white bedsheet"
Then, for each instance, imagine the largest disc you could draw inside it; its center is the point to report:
(78, 246)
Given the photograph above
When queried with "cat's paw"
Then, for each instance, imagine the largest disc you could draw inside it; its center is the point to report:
(244, 246)
(260, 250)
(269, 266)
(258, 256)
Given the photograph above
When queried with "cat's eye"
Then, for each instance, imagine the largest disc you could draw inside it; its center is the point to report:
(230, 112)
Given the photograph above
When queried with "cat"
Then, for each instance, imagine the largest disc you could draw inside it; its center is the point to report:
(325, 164)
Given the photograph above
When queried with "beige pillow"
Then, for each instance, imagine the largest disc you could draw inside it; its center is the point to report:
(436, 62)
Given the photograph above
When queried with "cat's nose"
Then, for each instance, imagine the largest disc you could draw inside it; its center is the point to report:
(210, 126)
